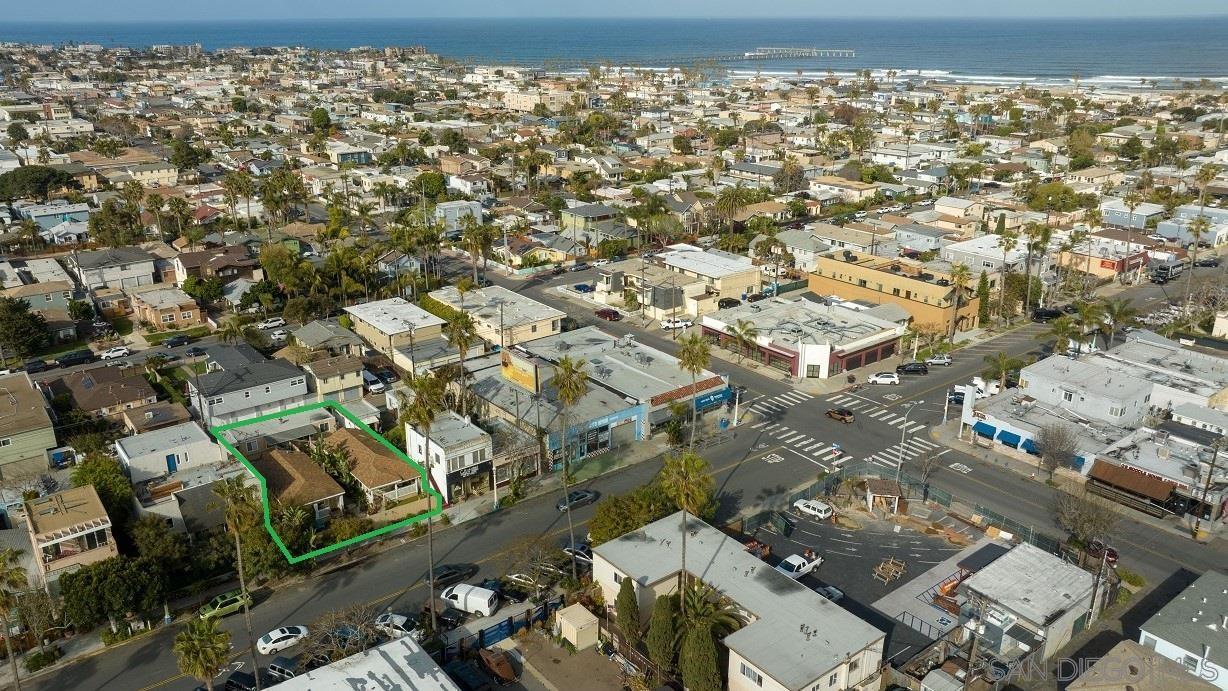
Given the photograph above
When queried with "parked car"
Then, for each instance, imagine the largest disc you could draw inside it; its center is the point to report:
(578, 266)
(386, 375)
(527, 580)
(77, 357)
(450, 618)
(830, 592)
(883, 378)
(36, 366)
(601, 262)
(176, 341)
(271, 323)
(576, 498)
(372, 383)
(677, 323)
(797, 565)
(913, 368)
(397, 625)
(471, 598)
(1043, 315)
(116, 352)
(755, 297)
(841, 414)
(956, 397)
(581, 553)
(726, 303)
(1158, 279)
(467, 676)
(498, 664)
(281, 669)
(608, 314)
(1097, 550)
(228, 602)
(814, 508)
(240, 681)
(194, 351)
(1209, 261)
(942, 359)
(452, 573)
(280, 335)
(558, 271)
(279, 639)
(583, 288)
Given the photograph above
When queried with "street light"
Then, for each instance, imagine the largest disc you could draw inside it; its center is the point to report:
(903, 431)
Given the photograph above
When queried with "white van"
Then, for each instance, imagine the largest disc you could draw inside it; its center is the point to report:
(372, 382)
(472, 599)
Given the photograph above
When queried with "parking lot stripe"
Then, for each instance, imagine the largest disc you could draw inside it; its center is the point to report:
(757, 425)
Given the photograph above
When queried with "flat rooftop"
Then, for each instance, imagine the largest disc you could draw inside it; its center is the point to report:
(1087, 374)
(394, 316)
(796, 636)
(494, 303)
(794, 323)
(158, 440)
(1032, 583)
(399, 665)
(702, 262)
(63, 511)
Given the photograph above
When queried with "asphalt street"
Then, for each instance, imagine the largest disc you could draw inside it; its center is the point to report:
(785, 442)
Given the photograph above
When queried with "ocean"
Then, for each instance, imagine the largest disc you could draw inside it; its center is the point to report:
(1103, 52)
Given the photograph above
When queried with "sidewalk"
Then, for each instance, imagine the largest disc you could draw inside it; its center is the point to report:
(1063, 478)
(78, 647)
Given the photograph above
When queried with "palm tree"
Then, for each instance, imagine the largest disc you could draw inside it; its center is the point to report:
(232, 184)
(730, 202)
(239, 503)
(999, 365)
(694, 356)
(13, 579)
(1132, 200)
(1038, 236)
(1200, 225)
(154, 202)
(245, 185)
(1117, 313)
(703, 608)
(461, 332)
(231, 331)
(960, 275)
(570, 384)
(180, 210)
(1063, 331)
(1089, 319)
(687, 480)
(202, 649)
(28, 231)
(421, 412)
(745, 333)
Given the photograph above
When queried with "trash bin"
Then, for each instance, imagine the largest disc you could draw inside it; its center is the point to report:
(724, 423)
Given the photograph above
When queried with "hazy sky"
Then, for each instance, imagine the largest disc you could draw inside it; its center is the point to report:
(129, 10)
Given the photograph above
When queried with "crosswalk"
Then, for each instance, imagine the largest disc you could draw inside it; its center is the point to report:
(779, 404)
(828, 455)
(913, 447)
(866, 408)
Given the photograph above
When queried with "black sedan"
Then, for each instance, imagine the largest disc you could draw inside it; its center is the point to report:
(449, 574)
(176, 341)
(575, 498)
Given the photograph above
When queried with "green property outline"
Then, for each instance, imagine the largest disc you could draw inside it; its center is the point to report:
(436, 502)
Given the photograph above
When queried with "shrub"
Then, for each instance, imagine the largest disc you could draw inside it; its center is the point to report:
(1131, 577)
(42, 658)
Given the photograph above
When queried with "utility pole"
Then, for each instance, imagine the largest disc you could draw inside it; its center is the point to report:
(1206, 487)
(904, 431)
(976, 639)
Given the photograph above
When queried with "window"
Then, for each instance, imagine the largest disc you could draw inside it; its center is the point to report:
(247, 394)
(296, 382)
(533, 328)
(1190, 662)
(253, 445)
(814, 371)
(987, 265)
(1067, 396)
(187, 316)
(5, 442)
(1115, 411)
(750, 673)
(268, 389)
(95, 539)
(831, 681)
(168, 318)
(618, 577)
(47, 297)
(214, 401)
(853, 665)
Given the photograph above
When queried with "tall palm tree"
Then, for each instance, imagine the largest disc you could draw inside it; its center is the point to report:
(154, 202)
(730, 202)
(13, 579)
(1198, 227)
(687, 480)
(999, 365)
(570, 384)
(694, 356)
(1037, 235)
(238, 503)
(461, 332)
(1089, 318)
(960, 275)
(421, 412)
(1063, 331)
(245, 185)
(202, 649)
(232, 184)
(1117, 313)
(231, 331)
(180, 210)
(1132, 200)
(745, 333)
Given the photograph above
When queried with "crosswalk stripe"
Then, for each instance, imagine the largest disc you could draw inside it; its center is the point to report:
(923, 443)
(788, 438)
(878, 414)
(801, 443)
(782, 432)
(890, 419)
(886, 461)
(916, 427)
(838, 399)
(812, 447)
(757, 425)
(774, 424)
(832, 455)
(794, 397)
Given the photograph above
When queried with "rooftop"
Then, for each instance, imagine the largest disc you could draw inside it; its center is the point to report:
(325, 333)
(64, 511)
(238, 372)
(400, 665)
(495, 305)
(794, 323)
(293, 478)
(1129, 665)
(1032, 583)
(374, 464)
(450, 430)
(333, 366)
(710, 263)
(1196, 618)
(796, 635)
(159, 440)
(1085, 375)
(394, 316)
(112, 257)
(163, 297)
(22, 407)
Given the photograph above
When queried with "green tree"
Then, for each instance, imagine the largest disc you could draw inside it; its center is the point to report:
(109, 481)
(699, 661)
(982, 294)
(110, 590)
(960, 275)
(705, 616)
(1118, 313)
(694, 356)
(1063, 331)
(159, 545)
(13, 580)
(461, 332)
(618, 514)
(627, 612)
(320, 120)
(570, 384)
(202, 648)
(21, 331)
(687, 479)
(34, 181)
(239, 504)
(662, 639)
(999, 366)
(428, 391)
(17, 132)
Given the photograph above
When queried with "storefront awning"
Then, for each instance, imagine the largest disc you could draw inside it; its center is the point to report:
(1132, 481)
(1009, 438)
(984, 429)
(1029, 446)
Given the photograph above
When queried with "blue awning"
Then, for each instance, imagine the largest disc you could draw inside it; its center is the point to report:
(984, 429)
(1009, 438)
(1029, 446)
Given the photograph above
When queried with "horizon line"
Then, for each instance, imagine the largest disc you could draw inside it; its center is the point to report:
(624, 17)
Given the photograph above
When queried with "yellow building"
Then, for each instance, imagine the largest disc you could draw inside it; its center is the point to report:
(924, 290)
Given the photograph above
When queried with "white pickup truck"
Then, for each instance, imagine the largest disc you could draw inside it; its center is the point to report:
(797, 565)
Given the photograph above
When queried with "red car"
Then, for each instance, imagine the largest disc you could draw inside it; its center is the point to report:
(610, 315)
(1097, 550)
